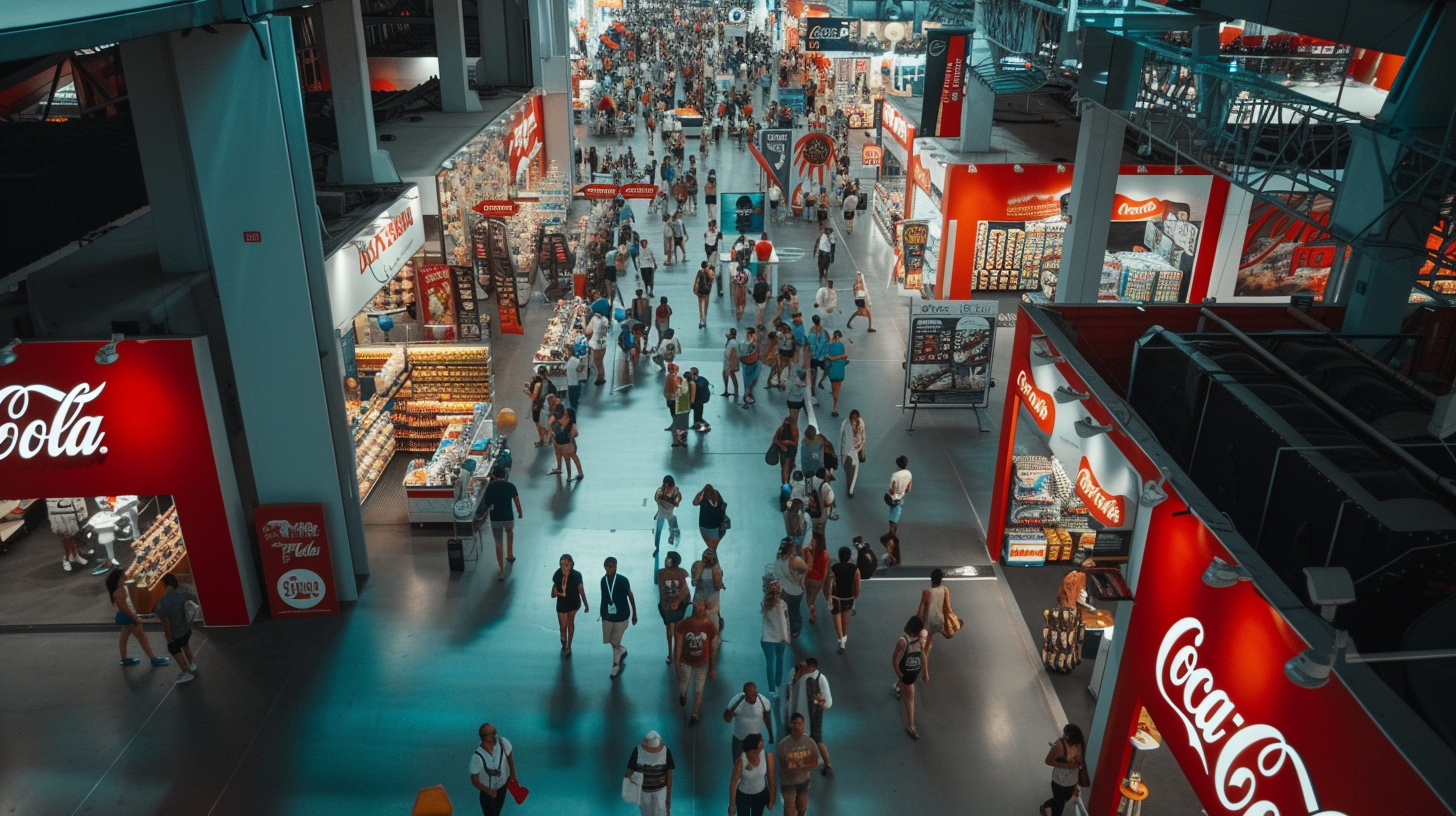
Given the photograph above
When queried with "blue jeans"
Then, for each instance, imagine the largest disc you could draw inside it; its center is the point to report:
(657, 535)
(773, 655)
(796, 612)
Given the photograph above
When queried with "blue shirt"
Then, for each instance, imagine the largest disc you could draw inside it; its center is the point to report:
(801, 336)
(818, 344)
(615, 591)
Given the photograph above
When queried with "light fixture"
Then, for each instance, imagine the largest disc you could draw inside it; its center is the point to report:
(1087, 429)
(7, 354)
(1055, 358)
(1061, 168)
(1221, 574)
(107, 355)
(1329, 588)
(1018, 168)
(1310, 669)
(1066, 393)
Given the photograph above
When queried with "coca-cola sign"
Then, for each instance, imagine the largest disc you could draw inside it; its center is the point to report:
(42, 420)
(899, 127)
(1107, 508)
(1037, 401)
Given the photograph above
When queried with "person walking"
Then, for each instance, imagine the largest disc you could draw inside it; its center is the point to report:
(563, 438)
(810, 697)
(826, 300)
(129, 621)
(788, 570)
(650, 767)
(662, 321)
(679, 233)
(496, 502)
(1067, 758)
(537, 390)
(798, 389)
(751, 788)
(861, 303)
(618, 607)
(748, 356)
(712, 515)
(667, 497)
(702, 394)
(797, 758)
(647, 266)
(171, 610)
(907, 661)
(702, 288)
(934, 602)
(707, 582)
(852, 447)
(492, 770)
(672, 598)
(774, 636)
(816, 556)
(679, 393)
(731, 366)
(824, 251)
(844, 582)
(836, 359)
(740, 290)
(575, 375)
(694, 658)
(811, 452)
(570, 594)
(848, 208)
(901, 481)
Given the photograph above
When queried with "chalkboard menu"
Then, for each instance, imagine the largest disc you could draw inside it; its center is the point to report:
(949, 354)
(468, 320)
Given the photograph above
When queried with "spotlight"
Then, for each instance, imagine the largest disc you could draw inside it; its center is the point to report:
(1308, 669)
(107, 354)
(1221, 574)
(1087, 429)
(7, 354)
(1067, 394)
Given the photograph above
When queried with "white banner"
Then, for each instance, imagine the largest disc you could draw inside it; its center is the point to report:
(365, 263)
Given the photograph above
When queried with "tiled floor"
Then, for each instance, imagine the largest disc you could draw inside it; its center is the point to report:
(352, 715)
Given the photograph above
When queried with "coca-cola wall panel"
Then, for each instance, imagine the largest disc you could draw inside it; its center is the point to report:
(149, 423)
(1208, 664)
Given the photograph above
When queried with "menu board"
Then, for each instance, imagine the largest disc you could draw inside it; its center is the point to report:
(949, 354)
(914, 237)
(467, 308)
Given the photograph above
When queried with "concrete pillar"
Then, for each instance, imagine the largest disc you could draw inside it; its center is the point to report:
(977, 115)
(455, 93)
(239, 113)
(1094, 181)
(357, 162)
(494, 67)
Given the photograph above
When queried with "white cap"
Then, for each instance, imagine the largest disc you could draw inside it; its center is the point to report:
(652, 740)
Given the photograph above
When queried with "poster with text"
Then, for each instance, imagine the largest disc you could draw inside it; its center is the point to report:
(945, 81)
(296, 566)
(467, 307)
(1282, 254)
(437, 293)
(948, 358)
(914, 237)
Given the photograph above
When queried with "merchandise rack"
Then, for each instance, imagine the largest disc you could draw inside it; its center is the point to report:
(156, 552)
(561, 332)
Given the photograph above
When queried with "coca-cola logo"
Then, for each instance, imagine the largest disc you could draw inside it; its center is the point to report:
(1243, 752)
(56, 433)
(835, 31)
(523, 135)
(1128, 209)
(1037, 402)
(1105, 507)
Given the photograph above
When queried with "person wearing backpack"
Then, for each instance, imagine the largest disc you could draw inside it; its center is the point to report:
(702, 395)
(176, 610)
(750, 714)
(703, 287)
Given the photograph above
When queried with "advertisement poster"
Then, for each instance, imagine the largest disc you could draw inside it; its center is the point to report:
(503, 277)
(945, 81)
(914, 236)
(1282, 254)
(467, 309)
(526, 150)
(438, 296)
(296, 568)
(793, 99)
(746, 210)
(949, 355)
(773, 146)
(828, 33)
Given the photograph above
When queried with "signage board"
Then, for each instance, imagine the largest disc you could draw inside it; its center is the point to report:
(950, 351)
(643, 191)
(828, 33)
(437, 297)
(1025, 550)
(467, 308)
(899, 128)
(496, 208)
(599, 191)
(945, 81)
(773, 146)
(294, 545)
(871, 155)
(746, 210)
(365, 264)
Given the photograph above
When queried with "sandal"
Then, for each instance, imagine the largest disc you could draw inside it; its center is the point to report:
(897, 691)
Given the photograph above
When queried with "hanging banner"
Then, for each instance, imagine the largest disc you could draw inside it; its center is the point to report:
(467, 308)
(772, 149)
(643, 191)
(914, 237)
(438, 296)
(871, 155)
(945, 80)
(814, 157)
(828, 33)
(503, 277)
(948, 358)
(497, 208)
(296, 568)
(526, 152)
(599, 191)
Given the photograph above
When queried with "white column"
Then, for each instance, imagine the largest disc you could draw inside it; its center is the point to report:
(1094, 181)
(455, 93)
(358, 160)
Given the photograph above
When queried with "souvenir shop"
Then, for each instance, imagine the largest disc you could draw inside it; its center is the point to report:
(1197, 706)
(896, 143)
(115, 459)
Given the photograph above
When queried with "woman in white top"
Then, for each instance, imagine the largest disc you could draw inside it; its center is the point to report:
(730, 366)
(775, 636)
(751, 790)
(932, 610)
(788, 570)
(861, 303)
(851, 447)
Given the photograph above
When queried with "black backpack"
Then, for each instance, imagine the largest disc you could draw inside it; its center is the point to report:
(865, 559)
(703, 284)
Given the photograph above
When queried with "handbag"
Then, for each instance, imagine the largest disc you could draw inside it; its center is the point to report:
(951, 622)
(772, 457)
(632, 788)
(891, 500)
(518, 791)
(727, 525)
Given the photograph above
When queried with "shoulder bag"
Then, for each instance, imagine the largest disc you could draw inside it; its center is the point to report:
(632, 788)
(772, 457)
(728, 715)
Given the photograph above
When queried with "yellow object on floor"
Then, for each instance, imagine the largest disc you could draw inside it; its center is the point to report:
(432, 802)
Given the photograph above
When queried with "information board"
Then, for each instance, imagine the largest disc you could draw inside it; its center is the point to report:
(948, 356)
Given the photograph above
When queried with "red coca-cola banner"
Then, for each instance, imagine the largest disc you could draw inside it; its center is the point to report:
(1106, 507)
(296, 567)
(528, 139)
(1041, 405)
(599, 191)
(647, 191)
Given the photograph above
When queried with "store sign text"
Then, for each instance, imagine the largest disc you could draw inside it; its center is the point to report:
(67, 433)
(898, 126)
(1127, 209)
(1037, 401)
(1109, 509)
(385, 238)
(1208, 720)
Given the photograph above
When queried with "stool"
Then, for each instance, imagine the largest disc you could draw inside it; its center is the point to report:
(432, 802)
(1132, 800)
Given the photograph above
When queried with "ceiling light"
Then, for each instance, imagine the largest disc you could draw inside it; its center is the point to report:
(1087, 429)
(1221, 574)
(1067, 394)
(107, 353)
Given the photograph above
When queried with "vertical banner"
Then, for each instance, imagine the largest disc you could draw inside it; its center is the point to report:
(914, 236)
(503, 276)
(774, 154)
(945, 81)
(296, 567)
(467, 308)
(948, 359)
(438, 296)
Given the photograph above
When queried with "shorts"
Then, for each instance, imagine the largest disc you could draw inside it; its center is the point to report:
(837, 605)
(612, 631)
(677, 242)
(816, 725)
(818, 363)
(895, 513)
(176, 645)
(849, 215)
(711, 532)
(773, 205)
(796, 405)
(672, 615)
(792, 790)
(859, 302)
(909, 678)
(498, 529)
(536, 414)
(696, 676)
(123, 619)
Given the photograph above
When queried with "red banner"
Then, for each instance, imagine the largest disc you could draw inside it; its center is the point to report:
(1041, 405)
(528, 141)
(599, 191)
(647, 191)
(437, 293)
(1127, 209)
(497, 208)
(296, 565)
(1101, 504)
(871, 155)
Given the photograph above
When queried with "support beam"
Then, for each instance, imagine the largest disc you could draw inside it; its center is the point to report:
(358, 162)
(1094, 182)
(456, 95)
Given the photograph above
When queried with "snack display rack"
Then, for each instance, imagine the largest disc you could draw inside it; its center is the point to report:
(1018, 255)
(373, 441)
(888, 206)
(561, 331)
(1047, 523)
(1139, 276)
(155, 553)
(430, 484)
(445, 382)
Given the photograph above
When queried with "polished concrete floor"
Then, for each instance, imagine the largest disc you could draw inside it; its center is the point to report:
(353, 715)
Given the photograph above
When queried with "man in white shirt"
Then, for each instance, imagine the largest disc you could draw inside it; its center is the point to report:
(851, 205)
(774, 196)
(826, 300)
(597, 330)
(492, 768)
(824, 249)
(751, 715)
(900, 483)
(809, 697)
(575, 376)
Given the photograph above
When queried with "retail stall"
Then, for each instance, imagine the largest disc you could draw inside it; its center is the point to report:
(124, 453)
(565, 328)
(461, 463)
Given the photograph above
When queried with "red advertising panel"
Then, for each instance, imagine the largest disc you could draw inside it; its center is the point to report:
(945, 81)
(899, 128)
(871, 155)
(499, 208)
(527, 149)
(437, 293)
(599, 191)
(296, 567)
(143, 424)
(644, 191)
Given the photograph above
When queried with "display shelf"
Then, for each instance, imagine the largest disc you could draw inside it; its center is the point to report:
(430, 484)
(561, 332)
(888, 206)
(1017, 255)
(157, 552)
(1046, 522)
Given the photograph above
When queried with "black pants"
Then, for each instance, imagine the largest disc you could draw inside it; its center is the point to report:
(491, 806)
(1061, 795)
(750, 804)
(698, 413)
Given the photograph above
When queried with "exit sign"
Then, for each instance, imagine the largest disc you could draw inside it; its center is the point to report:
(252, 237)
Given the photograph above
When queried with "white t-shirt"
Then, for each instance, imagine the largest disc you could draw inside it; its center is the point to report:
(899, 482)
(748, 717)
(599, 331)
(773, 194)
(575, 370)
(851, 202)
(827, 299)
(776, 624)
(493, 769)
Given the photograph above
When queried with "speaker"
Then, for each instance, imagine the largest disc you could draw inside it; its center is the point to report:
(1111, 69)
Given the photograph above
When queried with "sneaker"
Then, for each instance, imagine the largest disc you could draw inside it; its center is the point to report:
(186, 677)
(66, 565)
(160, 661)
(130, 661)
(192, 667)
